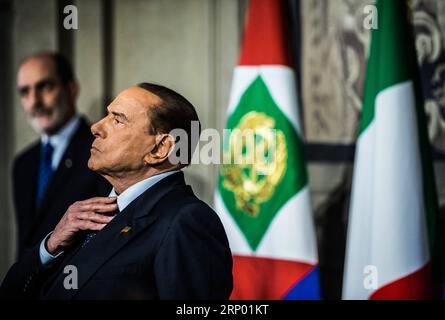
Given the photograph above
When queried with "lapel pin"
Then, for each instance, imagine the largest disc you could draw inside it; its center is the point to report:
(126, 229)
(68, 163)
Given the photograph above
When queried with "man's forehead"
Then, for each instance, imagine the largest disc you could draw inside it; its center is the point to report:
(138, 96)
(36, 67)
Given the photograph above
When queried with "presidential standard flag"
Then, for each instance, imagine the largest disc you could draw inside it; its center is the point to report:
(265, 206)
(393, 202)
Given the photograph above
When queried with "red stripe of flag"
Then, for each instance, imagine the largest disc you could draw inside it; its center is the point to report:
(257, 278)
(265, 40)
(415, 286)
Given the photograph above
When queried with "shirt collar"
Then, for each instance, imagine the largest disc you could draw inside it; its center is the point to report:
(130, 194)
(63, 134)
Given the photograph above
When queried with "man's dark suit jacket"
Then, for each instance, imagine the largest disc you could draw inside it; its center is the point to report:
(71, 182)
(166, 244)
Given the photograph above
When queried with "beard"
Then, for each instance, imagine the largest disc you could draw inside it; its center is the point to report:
(57, 117)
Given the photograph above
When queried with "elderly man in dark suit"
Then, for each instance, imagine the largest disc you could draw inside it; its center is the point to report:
(152, 238)
(52, 173)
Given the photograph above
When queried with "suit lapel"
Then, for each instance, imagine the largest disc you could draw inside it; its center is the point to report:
(110, 240)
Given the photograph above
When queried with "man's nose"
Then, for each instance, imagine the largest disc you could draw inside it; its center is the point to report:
(97, 129)
(35, 98)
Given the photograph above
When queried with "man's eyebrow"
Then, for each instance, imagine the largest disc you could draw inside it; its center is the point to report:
(46, 80)
(23, 88)
(39, 83)
(119, 114)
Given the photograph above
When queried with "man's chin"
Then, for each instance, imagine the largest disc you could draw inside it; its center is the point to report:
(96, 167)
(44, 124)
(91, 165)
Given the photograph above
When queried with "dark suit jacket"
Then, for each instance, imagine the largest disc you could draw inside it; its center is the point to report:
(175, 248)
(72, 181)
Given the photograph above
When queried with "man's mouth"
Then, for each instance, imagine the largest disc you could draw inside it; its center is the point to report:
(94, 148)
(40, 113)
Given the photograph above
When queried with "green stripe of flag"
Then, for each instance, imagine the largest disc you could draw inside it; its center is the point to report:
(388, 64)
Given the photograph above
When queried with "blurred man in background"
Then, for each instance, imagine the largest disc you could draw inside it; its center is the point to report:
(52, 173)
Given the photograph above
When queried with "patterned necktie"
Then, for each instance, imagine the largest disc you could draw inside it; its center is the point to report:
(91, 234)
(45, 170)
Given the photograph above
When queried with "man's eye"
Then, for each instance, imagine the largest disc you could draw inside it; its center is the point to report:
(48, 86)
(116, 121)
(45, 86)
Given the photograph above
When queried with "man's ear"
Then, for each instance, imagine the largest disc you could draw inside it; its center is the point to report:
(163, 146)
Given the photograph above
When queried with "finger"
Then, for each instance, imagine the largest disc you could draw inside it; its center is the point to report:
(104, 200)
(92, 216)
(88, 225)
(99, 207)
(105, 207)
(100, 218)
(97, 226)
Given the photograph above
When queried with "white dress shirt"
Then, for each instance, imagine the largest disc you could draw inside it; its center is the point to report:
(123, 200)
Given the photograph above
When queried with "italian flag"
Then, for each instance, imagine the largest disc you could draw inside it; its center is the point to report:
(265, 205)
(393, 201)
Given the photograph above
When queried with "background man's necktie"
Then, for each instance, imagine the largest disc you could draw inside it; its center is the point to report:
(45, 170)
